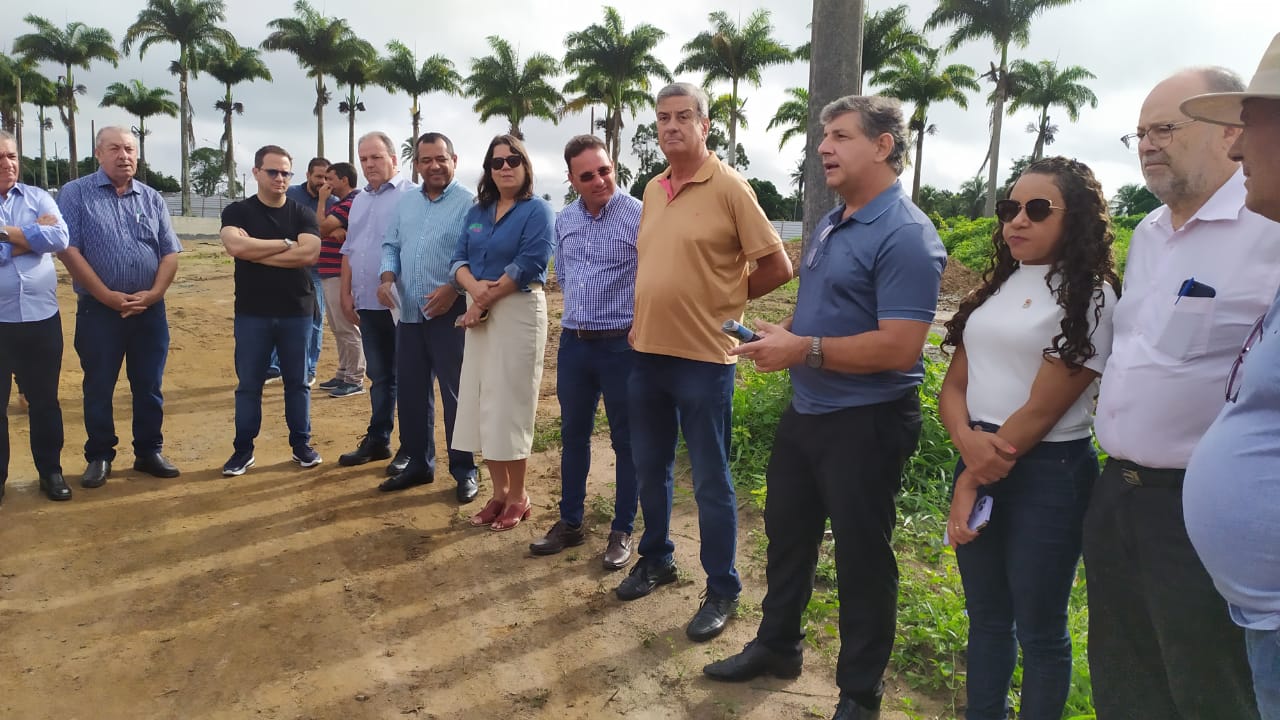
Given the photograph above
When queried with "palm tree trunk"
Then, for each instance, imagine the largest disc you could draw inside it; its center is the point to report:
(732, 155)
(142, 149)
(915, 184)
(184, 109)
(997, 121)
(1038, 152)
(231, 150)
(44, 159)
(73, 171)
(319, 116)
(836, 37)
(417, 118)
(351, 127)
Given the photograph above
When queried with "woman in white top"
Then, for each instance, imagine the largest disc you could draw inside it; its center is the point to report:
(1017, 400)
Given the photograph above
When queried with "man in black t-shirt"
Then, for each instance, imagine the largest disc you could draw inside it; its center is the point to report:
(274, 243)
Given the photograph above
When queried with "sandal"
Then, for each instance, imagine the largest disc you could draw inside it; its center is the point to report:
(488, 514)
(512, 515)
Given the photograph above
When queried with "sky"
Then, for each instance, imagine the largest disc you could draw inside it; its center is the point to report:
(1128, 44)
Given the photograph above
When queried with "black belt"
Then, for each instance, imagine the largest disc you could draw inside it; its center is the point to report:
(598, 334)
(1139, 476)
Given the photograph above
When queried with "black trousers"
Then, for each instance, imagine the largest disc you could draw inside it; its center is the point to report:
(32, 353)
(845, 465)
(1161, 644)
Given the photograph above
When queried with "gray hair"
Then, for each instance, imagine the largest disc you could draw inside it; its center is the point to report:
(879, 116)
(684, 89)
(1218, 79)
(97, 139)
(386, 142)
(6, 135)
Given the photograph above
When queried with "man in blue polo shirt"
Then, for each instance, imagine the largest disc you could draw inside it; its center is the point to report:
(596, 268)
(416, 253)
(869, 280)
(122, 255)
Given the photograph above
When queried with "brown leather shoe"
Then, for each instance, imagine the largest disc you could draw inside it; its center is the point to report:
(618, 552)
(560, 536)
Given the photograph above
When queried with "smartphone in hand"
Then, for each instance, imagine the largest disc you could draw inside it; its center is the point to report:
(978, 519)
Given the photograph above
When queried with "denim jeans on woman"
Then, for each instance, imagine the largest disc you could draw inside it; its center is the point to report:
(1017, 577)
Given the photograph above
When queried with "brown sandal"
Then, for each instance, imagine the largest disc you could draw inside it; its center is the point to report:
(488, 514)
(512, 515)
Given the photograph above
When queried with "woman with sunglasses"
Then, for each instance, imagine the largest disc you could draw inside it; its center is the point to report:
(1030, 343)
(501, 263)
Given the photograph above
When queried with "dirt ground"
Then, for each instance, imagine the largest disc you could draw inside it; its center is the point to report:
(290, 593)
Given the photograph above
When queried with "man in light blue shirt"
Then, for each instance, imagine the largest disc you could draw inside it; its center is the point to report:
(372, 211)
(31, 231)
(415, 277)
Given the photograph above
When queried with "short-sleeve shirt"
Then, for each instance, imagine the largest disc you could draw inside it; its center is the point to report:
(1004, 342)
(883, 262)
(518, 245)
(693, 251)
(330, 263)
(263, 290)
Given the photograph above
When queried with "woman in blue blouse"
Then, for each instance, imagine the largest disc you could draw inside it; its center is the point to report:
(501, 263)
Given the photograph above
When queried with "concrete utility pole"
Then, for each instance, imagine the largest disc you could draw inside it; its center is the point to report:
(835, 70)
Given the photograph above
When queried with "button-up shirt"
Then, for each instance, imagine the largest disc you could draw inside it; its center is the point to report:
(596, 263)
(29, 282)
(122, 237)
(1163, 385)
(420, 243)
(371, 212)
(518, 246)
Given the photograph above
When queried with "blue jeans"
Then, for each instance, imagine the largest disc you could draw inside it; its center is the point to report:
(1264, 658)
(317, 333)
(431, 349)
(104, 340)
(585, 370)
(1017, 578)
(670, 395)
(378, 337)
(255, 337)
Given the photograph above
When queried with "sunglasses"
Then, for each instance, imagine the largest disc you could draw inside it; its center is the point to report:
(603, 172)
(273, 173)
(1037, 210)
(511, 161)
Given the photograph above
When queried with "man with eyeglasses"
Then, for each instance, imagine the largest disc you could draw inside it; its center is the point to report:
(274, 242)
(1233, 480)
(596, 268)
(122, 256)
(1201, 268)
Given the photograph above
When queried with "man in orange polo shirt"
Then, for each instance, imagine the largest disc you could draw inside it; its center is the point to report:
(700, 229)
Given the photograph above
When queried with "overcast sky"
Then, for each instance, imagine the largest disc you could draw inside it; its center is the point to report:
(1128, 44)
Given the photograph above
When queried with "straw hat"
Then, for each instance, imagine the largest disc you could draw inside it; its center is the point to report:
(1224, 108)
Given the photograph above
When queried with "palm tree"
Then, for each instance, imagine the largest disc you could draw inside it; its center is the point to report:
(724, 111)
(917, 80)
(357, 73)
(503, 87)
(792, 116)
(400, 71)
(41, 92)
(231, 66)
(612, 67)
(321, 44)
(75, 46)
(138, 99)
(885, 33)
(733, 53)
(1005, 22)
(1043, 85)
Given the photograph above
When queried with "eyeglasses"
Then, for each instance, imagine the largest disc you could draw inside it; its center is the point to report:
(817, 246)
(1159, 135)
(1237, 367)
(603, 172)
(1037, 210)
(273, 173)
(512, 161)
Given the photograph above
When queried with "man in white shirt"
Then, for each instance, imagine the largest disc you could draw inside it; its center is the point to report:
(1201, 269)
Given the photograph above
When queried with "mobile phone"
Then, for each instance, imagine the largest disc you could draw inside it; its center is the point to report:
(738, 330)
(978, 518)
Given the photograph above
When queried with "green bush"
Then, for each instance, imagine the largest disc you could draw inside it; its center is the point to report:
(758, 402)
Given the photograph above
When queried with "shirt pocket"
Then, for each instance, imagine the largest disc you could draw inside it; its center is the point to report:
(1184, 332)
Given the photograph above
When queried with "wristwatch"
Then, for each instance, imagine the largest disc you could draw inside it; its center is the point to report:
(288, 244)
(814, 358)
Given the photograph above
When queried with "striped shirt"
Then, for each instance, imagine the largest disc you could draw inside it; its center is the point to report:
(122, 237)
(420, 242)
(371, 212)
(29, 282)
(596, 263)
(330, 263)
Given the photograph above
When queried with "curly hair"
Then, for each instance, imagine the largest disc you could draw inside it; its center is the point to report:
(1083, 262)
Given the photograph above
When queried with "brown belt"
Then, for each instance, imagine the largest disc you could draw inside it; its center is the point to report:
(598, 334)
(1139, 476)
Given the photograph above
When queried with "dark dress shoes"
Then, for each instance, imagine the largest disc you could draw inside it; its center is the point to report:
(710, 619)
(755, 660)
(849, 709)
(617, 552)
(398, 463)
(96, 474)
(55, 486)
(644, 577)
(412, 476)
(368, 449)
(156, 465)
(467, 490)
(560, 536)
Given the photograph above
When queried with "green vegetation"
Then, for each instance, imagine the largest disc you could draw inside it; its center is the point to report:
(969, 241)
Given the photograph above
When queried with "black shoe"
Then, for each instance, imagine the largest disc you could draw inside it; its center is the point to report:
(644, 577)
(755, 660)
(55, 487)
(467, 489)
(849, 709)
(398, 463)
(368, 450)
(414, 475)
(710, 619)
(1, 491)
(560, 536)
(157, 465)
(96, 474)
